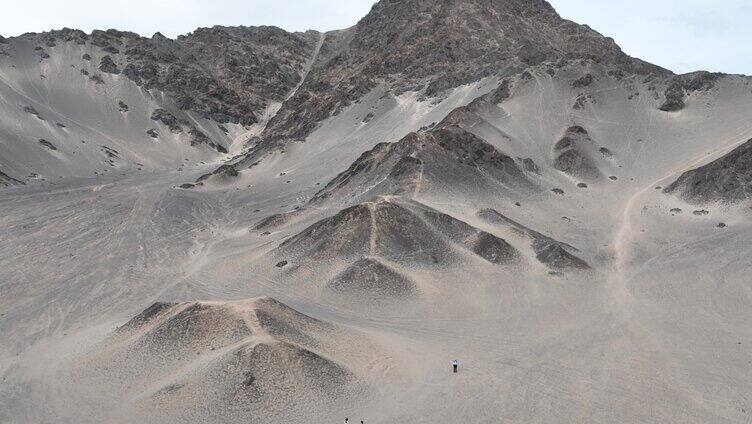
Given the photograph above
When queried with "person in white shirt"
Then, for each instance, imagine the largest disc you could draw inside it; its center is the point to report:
(455, 364)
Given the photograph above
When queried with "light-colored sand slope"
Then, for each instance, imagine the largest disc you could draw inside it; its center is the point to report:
(420, 253)
(61, 122)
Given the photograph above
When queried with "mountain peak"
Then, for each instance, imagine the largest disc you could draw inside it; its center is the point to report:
(436, 45)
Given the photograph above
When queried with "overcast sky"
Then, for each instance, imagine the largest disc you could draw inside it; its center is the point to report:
(682, 35)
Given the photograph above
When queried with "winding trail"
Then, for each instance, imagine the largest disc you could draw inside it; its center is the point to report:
(621, 243)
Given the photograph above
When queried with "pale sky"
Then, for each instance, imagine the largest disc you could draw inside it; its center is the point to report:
(682, 35)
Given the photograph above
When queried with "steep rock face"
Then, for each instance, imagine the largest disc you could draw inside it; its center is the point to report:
(437, 45)
(728, 179)
(228, 74)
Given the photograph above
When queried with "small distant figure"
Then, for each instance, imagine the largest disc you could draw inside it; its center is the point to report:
(455, 365)
(347, 421)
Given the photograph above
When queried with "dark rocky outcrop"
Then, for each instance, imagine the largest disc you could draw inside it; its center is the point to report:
(550, 252)
(674, 98)
(177, 126)
(32, 111)
(107, 65)
(556, 256)
(369, 277)
(169, 120)
(445, 155)
(402, 232)
(47, 144)
(583, 81)
(438, 45)
(573, 154)
(8, 181)
(687, 83)
(224, 172)
(728, 179)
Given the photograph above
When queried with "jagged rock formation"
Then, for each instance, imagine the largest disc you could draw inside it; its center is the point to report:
(683, 84)
(436, 46)
(728, 179)
(228, 74)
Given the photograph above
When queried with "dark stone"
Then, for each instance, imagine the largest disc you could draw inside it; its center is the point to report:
(108, 65)
(728, 179)
(674, 98)
(583, 81)
(47, 144)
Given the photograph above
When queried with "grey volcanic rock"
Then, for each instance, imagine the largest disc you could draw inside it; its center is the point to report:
(494, 249)
(224, 172)
(108, 65)
(573, 154)
(228, 74)
(47, 144)
(177, 126)
(249, 354)
(682, 84)
(446, 155)
(674, 98)
(369, 277)
(32, 111)
(553, 253)
(168, 119)
(7, 181)
(584, 81)
(556, 256)
(439, 45)
(403, 232)
(728, 179)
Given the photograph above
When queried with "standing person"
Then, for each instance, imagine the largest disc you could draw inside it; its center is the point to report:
(455, 364)
(347, 421)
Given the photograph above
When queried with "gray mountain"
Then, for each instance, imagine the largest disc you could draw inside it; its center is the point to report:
(472, 179)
